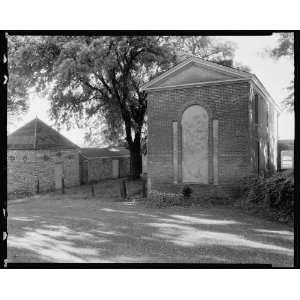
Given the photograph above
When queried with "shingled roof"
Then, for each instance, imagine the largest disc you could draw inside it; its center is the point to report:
(37, 135)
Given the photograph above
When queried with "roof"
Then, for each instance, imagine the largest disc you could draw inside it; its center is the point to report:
(37, 135)
(195, 71)
(286, 142)
(91, 153)
(291, 141)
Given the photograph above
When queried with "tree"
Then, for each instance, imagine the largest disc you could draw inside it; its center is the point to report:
(94, 76)
(204, 47)
(285, 45)
(285, 48)
(96, 80)
(16, 100)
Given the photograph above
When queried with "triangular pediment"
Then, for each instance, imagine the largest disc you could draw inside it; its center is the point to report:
(195, 71)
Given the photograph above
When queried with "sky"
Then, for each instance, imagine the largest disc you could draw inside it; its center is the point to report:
(274, 74)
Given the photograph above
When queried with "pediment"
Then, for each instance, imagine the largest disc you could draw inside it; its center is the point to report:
(194, 71)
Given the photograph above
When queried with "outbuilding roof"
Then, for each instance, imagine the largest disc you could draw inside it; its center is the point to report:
(37, 135)
(91, 153)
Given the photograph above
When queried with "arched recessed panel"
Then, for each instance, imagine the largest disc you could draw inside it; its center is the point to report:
(195, 145)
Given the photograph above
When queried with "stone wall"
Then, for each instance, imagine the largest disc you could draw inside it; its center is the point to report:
(227, 103)
(26, 167)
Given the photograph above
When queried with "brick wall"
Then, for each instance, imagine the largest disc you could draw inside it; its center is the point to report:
(227, 103)
(99, 169)
(96, 169)
(25, 167)
(83, 169)
(124, 166)
(263, 133)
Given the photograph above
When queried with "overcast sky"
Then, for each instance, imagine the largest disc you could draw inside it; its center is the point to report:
(274, 74)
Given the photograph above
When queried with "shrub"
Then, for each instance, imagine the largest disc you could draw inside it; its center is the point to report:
(187, 191)
(273, 196)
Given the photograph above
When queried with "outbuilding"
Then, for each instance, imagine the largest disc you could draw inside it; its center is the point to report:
(97, 164)
(40, 159)
(285, 154)
(208, 125)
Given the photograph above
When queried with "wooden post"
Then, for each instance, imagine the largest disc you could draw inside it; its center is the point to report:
(38, 186)
(144, 188)
(93, 190)
(62, 185)
(123, 190)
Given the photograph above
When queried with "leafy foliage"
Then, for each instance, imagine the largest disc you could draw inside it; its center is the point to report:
(16, 98)
(273, 196)
(91, 76)
(285, 48)
(205, 47)
(285, 45)
(289, 100)
(187, 191)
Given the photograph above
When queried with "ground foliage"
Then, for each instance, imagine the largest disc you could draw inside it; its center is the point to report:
(187, 197)
(272, 196)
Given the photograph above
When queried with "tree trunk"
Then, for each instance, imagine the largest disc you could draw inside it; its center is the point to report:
(135, 162)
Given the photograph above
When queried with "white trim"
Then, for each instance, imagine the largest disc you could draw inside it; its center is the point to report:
(195, 84)
(199, 61)
(259, 87)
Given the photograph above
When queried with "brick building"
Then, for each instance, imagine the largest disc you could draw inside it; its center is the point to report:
(208, 125)
(39, 156)
(103, 163)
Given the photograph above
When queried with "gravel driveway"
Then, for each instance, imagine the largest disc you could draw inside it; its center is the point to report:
(72, 229)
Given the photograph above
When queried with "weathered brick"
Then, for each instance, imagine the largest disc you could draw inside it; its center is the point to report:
(230, 104)
(22, 175)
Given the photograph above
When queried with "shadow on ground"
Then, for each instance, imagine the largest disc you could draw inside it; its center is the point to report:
(66, 229)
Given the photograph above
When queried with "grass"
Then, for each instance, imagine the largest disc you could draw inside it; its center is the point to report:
(75, 227)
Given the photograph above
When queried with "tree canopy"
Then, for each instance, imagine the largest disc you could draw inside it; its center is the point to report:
(285, 48)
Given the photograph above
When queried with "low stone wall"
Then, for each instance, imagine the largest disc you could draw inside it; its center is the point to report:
(26, 167)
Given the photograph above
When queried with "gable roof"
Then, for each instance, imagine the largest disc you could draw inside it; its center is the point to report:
(194, 71)
(91, 153)
(37, 135)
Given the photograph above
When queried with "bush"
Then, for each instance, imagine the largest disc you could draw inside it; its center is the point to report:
(273, 196)
(187, 191)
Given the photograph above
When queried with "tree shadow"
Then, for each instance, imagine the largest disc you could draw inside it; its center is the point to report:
(105, 232)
